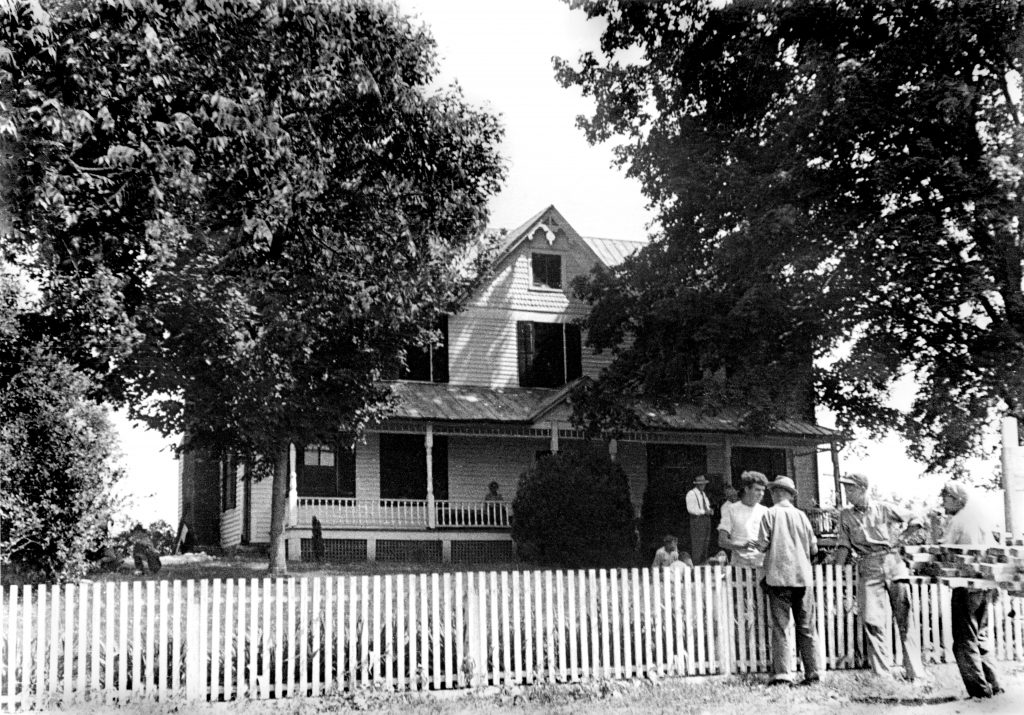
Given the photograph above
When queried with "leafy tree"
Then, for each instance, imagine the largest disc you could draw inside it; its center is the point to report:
(572, 509)
(836, 180)
(242, 215)
(57, 455)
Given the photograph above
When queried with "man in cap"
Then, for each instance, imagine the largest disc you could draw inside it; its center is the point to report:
(869, 532)
(785, 534)
(970, 524)
(698, 506)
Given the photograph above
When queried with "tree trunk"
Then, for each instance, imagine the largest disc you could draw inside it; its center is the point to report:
(278, 511)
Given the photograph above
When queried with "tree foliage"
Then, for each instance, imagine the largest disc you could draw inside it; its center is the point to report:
(572, 509)
(836, 180)
(57, 456)
(241, 214)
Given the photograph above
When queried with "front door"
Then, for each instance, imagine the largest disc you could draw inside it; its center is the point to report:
(671, 469)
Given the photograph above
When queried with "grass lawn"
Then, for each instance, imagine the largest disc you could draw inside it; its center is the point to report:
(852, 693)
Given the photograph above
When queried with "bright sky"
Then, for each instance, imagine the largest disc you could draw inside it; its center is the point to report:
(500, 52)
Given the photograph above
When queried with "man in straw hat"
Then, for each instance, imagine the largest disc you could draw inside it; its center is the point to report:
(970, 524)
(786, 537)
(698, 506)
(869, 532)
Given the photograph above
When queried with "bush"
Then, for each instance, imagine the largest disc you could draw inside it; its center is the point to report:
(572, 509)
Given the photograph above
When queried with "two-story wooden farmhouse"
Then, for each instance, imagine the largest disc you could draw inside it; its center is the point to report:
(478, 409)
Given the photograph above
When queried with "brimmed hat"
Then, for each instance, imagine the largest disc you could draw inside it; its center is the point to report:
(783, 483)
(701, 479)
(856, 479)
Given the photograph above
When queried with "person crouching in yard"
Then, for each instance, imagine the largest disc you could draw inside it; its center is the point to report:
(970, 524)
(786, 537)
(670, 555)
(869, 531)
(143, 553)
(738, 529)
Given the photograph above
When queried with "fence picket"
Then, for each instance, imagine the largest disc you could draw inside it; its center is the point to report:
(120, 642)
(215, 621)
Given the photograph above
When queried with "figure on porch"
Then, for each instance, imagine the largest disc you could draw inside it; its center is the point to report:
(698, 506)
(869, 532)
(787, 537)
(493, 493)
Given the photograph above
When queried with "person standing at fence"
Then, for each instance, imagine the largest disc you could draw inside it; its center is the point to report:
(971, 524)
(786, 537)
(738, 529)
(698, 506)
(869, 531)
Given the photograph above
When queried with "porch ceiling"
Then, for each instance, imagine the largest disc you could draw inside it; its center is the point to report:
(520, 406)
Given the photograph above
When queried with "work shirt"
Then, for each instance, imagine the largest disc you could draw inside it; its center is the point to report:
(742, 523)
(697, 503)
(971, 525)
(869, 533)
(787, 538)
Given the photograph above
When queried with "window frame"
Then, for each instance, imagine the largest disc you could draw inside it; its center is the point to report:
(542, 286)
(571, 339)
(343, 470)
(436, 355)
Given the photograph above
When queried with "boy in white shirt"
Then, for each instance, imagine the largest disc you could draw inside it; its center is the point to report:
(741, 521)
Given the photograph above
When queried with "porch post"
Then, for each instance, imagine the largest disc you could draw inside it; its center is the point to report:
(428, 442)
(554, 436)
(1012, 461)
(727, 461)
(613, 449)
(292, 540)
(835, 473)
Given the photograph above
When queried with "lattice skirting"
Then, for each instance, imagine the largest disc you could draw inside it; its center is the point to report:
(340, 550)
(482, 552)
(425, 552)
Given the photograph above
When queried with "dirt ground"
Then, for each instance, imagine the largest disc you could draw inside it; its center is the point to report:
(851, 693)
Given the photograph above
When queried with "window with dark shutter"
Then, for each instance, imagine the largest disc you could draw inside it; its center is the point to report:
(547, 270)
(228, 485)
(549, 354)
(428, 363)
(326, 471)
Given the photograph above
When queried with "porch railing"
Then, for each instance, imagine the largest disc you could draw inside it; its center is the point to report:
(335, 512)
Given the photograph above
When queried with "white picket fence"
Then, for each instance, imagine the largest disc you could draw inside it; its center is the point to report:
(273, 638)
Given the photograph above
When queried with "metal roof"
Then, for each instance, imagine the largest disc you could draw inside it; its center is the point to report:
(521, 405)
(612, 251)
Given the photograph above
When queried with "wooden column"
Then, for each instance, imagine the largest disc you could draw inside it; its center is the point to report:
(727, 462)
(293, 487)
(554, 437)
(835, 474)
(1012, 463)
(613, 449)
(428, 442)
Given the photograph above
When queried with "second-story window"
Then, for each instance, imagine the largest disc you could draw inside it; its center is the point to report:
(547, 270)
(550, 354)
(430, 363)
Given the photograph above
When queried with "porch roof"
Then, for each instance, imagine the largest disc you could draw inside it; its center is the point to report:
(526, 406)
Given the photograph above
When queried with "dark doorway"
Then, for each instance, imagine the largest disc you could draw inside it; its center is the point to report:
(671, 469)
(403, 467)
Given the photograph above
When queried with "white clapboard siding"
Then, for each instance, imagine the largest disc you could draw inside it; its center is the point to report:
(257, 638)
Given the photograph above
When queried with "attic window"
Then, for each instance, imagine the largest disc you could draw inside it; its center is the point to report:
(547, 270)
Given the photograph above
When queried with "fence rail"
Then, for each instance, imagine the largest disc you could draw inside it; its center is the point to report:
(263, 638)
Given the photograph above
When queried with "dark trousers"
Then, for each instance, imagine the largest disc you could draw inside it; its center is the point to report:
(700, 532)
(969, 610)
(797, 602)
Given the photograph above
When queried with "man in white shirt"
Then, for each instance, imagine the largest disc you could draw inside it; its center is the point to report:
(698, 506)
(740, 523)
(970, 524)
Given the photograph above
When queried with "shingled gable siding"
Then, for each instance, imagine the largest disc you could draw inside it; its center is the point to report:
(483, 347)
